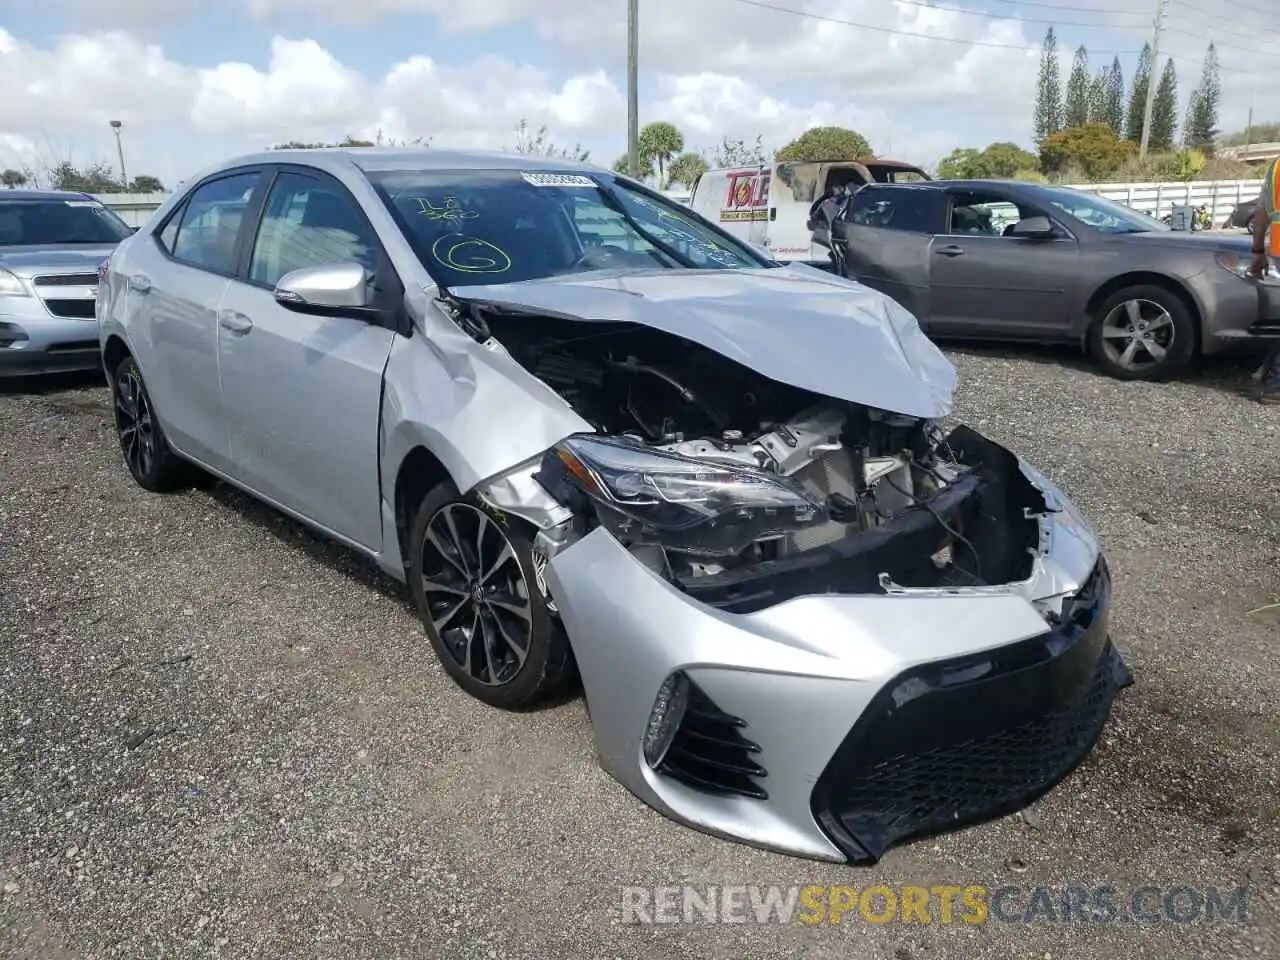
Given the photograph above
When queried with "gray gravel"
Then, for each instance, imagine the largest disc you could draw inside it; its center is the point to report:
(222, 737)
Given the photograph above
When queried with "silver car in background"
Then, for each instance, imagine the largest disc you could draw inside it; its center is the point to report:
(597, 436)
(51, 246)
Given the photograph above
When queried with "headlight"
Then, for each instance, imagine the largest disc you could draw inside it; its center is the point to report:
(649, 497)
(11, 286)
(1234, 263)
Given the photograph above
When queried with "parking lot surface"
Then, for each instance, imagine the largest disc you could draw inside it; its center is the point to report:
(220, 736)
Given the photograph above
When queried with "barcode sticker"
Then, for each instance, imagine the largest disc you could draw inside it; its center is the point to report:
(558, 180)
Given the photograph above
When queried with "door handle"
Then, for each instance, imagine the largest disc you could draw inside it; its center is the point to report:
(234, 321)
(950, 250)
(140, 283)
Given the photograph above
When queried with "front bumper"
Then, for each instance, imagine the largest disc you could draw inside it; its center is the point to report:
(45, 344)
(820, 726)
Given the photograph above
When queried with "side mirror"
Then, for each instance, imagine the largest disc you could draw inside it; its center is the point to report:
(341, 289)
(1034, 228)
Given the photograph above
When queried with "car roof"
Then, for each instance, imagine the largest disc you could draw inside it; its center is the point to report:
(37, 195)
(375, 159)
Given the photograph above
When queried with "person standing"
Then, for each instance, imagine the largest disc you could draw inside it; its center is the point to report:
(1266, 245)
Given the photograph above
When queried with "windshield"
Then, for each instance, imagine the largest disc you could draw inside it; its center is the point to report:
(1105, 216)
(503, 226)
(58, 222)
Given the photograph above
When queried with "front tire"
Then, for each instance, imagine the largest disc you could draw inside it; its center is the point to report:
(147, 454)
(474, 581)
(1143, 332)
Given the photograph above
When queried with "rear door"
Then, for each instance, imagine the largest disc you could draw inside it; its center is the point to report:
(303, 393)
(175, 284)
(887, 231)
(987, 283)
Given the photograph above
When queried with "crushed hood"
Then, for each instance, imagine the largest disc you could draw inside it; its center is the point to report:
(793, 324)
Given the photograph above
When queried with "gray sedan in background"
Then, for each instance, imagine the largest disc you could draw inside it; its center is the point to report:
(1015, 261)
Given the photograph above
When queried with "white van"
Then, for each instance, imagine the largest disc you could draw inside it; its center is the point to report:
(770, 206)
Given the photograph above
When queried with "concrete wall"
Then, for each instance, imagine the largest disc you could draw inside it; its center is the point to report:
(134, 209)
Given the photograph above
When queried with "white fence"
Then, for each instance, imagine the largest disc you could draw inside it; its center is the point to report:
(1158, 199)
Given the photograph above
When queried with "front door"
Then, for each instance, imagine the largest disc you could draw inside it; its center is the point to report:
(984, 282)
(303, 393)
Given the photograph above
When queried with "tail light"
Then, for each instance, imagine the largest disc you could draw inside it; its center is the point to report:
(102, 270)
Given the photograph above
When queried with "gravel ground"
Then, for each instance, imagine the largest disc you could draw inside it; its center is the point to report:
(222, 737)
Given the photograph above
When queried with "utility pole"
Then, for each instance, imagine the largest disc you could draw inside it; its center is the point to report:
(124, 177)
(1152, 76)
(633, 93)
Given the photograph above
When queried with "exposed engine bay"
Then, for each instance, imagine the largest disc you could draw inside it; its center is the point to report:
(742, 490)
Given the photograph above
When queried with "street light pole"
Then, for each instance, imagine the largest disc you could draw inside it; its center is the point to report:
(1152, 77)
(633, 94)
(124, 177)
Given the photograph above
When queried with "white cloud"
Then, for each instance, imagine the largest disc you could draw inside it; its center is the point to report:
(713, 67)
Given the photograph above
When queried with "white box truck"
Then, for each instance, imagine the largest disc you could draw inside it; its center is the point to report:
(770, 205)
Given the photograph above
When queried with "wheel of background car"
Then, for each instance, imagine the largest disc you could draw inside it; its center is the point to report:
(473, 579)
(1143, 332)
(150, 460)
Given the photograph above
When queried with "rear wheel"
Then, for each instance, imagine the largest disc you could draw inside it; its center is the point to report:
(1143, 332)
(151, 462)
(475, 583)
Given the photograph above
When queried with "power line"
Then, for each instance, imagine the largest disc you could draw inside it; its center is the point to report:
(905, 33)
(1020, 19)
(877, 28)
(1234, 3)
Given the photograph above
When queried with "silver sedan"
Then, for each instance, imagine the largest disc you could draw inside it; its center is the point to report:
(600, 438)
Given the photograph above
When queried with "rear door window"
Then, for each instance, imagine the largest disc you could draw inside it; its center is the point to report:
(210, 226)
(907, 210)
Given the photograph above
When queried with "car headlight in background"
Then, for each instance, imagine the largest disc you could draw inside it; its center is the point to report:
(12, 286)
(699, 507)
(1234, 263)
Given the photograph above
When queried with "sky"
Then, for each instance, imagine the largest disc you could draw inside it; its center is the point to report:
(197, 81)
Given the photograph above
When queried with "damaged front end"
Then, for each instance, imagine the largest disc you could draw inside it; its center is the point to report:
(793, 614)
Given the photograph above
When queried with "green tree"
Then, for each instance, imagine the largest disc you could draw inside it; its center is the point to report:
(346, 142)
(1268, 132)
(13, 178)
(998, 161)
(963, 163)
(622, 166)
(145, 183)
(826, 143)
(1164, 112)
(1048, 114)
(1112, 106)
(538, 143)
(1093, 148)
(660, 142)
(1202, 119)
(96, 178)
(686, 169)
(1138, 96)
(737, 153)
(1076, 110)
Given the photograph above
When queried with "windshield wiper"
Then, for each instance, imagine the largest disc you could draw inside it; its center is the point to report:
(614, 203)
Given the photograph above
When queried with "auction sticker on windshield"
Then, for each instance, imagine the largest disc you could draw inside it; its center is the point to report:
(558, 180)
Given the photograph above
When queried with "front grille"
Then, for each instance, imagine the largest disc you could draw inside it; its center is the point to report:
(967, 740)
(67, 280)
(710, 753)
(72, 309)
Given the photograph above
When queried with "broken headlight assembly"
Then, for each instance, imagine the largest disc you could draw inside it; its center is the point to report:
(1241, 265)
(649, 497)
